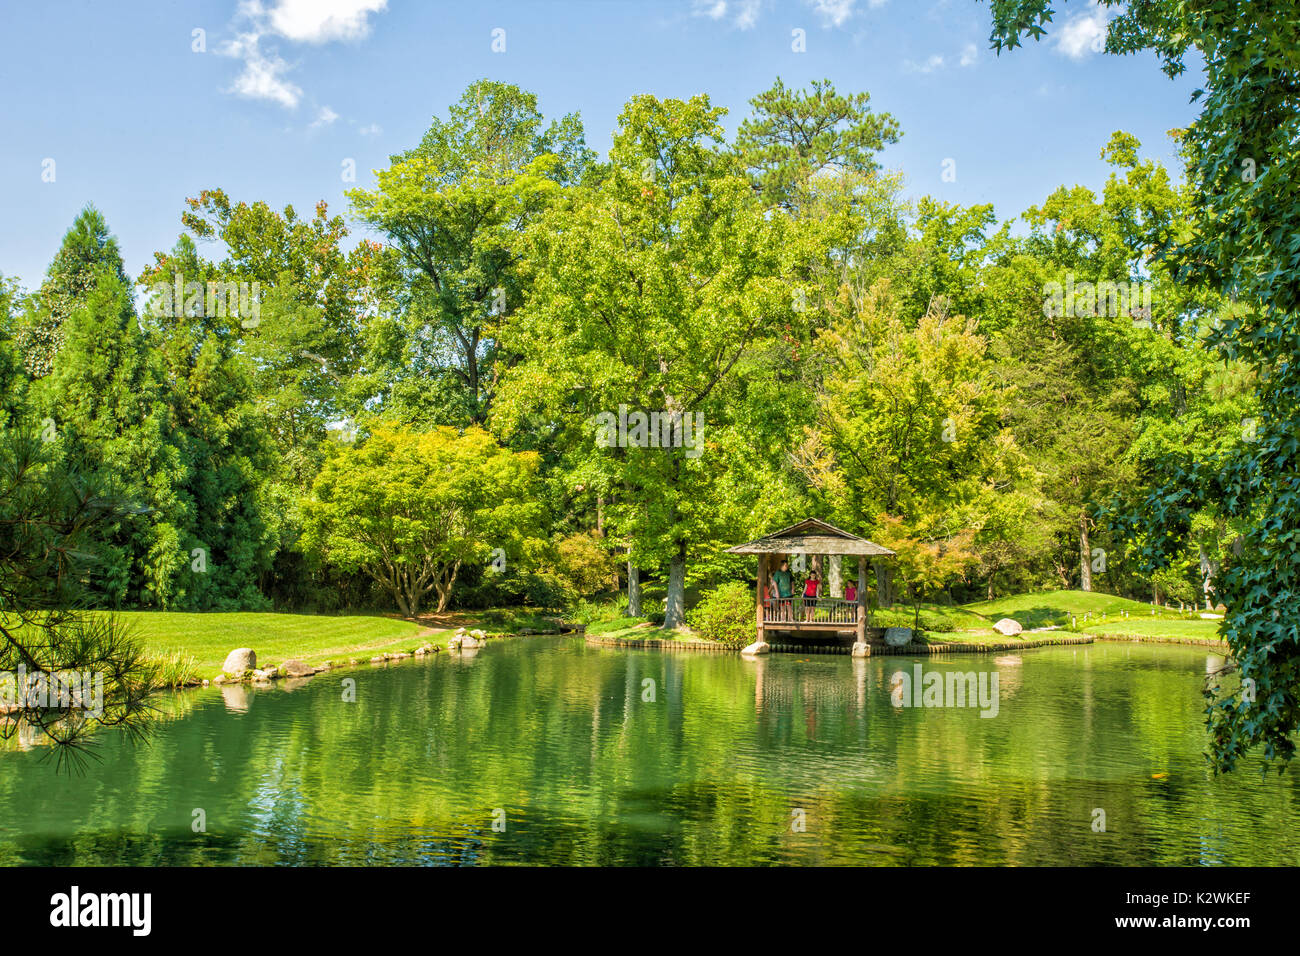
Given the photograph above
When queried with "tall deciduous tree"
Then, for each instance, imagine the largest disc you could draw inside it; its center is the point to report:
(453, 207)
(648, 291)
(409, 509)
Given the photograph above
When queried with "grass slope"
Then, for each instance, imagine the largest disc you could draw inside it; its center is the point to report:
(1056, 607)
(275, 637)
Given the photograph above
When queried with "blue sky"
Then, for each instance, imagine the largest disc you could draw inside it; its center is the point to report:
(286, 91)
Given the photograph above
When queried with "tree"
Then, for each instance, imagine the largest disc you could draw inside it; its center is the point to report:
(64, 672)
(648, 289)
(408, 509)
(87, 248)
(927, 559)
(453, 208)
(1243, 166)
(102, 403)
(793, 135)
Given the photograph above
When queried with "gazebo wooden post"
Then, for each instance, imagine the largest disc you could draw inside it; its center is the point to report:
(862, 599)
(762, 590)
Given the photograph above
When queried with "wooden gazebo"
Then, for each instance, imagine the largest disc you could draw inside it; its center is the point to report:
(824, 614)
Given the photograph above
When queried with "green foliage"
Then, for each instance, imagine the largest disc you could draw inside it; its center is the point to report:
(793, 135)
(408, 509)
(583, 564)
(1243, 163)
(725, 615)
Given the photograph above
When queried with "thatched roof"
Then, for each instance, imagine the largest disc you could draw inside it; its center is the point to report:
(812, 536)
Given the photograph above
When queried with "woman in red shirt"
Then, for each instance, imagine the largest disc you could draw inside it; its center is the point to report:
(810, 588)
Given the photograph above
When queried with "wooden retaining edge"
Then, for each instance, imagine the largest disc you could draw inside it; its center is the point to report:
(845, 648)
(657, 645)
(1145, 639)
(979, 648)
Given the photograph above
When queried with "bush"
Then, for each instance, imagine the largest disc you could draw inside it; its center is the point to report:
(583, 564)
(725, 615)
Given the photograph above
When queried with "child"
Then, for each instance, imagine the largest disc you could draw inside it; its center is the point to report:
(810, 595)
(850, 592)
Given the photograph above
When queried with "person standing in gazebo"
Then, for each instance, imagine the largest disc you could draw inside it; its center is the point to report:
(811, 586)
(785, 588)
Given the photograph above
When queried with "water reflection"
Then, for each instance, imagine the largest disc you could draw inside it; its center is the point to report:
(600, 755)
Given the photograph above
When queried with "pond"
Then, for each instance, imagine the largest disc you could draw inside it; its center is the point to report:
(550, 751)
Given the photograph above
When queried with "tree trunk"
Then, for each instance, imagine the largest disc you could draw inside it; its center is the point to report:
(633, 589)
(835, 576)
(675, 599)
(1085, 555)
(884, 584)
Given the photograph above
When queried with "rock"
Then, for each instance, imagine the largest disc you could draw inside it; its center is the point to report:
(478, 635)
(1007, 627)
(861, 649)
(264, 676)
(398, 656)
(758, 647)
(239, 660)
(377, 660)
(297, 669)
(1220, 609)
(353, 662)
(898, 636)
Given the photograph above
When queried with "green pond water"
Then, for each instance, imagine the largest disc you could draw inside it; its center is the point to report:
(550, 751)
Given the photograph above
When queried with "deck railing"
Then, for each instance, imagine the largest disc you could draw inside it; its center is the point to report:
(810, 611)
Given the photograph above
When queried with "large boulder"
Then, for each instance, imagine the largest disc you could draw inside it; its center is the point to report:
(297, 669)
(758, 647)
(463, 642)
(898, 636)
(239, 660)
(1007, 627)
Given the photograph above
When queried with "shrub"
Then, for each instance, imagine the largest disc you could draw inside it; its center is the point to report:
(583, 564)
(725, 615)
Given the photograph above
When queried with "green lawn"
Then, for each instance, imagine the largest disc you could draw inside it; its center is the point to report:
(275, 637)
(1055, 607)
(1194, 629)
(973, 623)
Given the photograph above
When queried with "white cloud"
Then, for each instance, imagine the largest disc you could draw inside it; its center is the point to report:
(371, 130)
(969, 55)
(932, 63)
(263, 75)
(324, 117)
(742, 13)
(834, 13)
(298, 21)
(1083, 34)
(322, 21)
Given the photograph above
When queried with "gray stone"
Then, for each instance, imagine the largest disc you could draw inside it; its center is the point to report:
(758, 647)
(239, 660)
(297, 669)
(861, 649)
(1007, 627)
(898, 636)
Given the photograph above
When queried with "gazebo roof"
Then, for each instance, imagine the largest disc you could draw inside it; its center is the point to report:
(812, 536)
